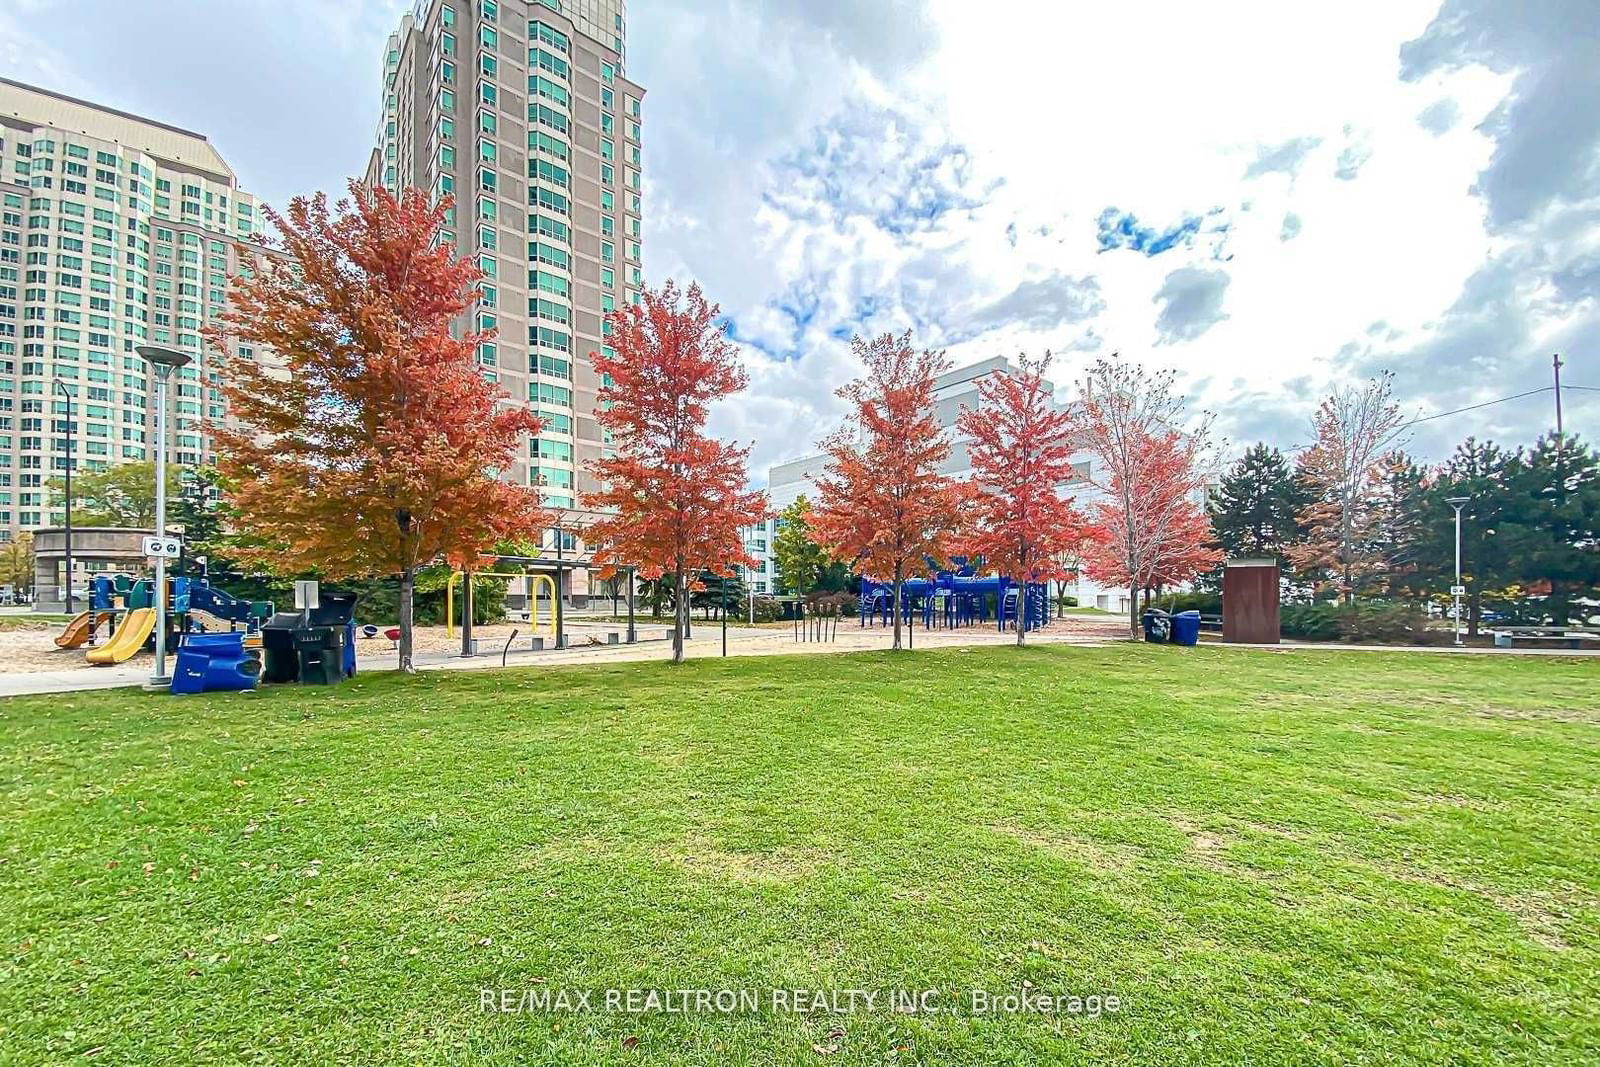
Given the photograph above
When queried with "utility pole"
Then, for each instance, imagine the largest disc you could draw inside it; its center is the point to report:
(1457, 590)
(1555, 362)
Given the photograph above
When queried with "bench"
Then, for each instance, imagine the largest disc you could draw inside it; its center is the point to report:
(1566, 636)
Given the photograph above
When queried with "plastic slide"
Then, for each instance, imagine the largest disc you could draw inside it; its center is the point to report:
(77, 631)
(134, 631)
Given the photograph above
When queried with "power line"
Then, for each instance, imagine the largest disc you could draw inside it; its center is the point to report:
(1489, 403)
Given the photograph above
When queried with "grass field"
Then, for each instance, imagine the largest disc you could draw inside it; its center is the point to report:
(1319, 858)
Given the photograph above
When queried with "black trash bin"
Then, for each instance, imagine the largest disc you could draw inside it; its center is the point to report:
(313, 646)
(280, 659)
(1157, 626)
(321, 651)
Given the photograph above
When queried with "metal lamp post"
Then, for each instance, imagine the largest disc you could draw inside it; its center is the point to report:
(71, 455)
(1458, 502)
(163, 361)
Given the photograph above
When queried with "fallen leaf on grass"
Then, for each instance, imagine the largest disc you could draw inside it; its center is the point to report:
(630, 1042)
(271, 938)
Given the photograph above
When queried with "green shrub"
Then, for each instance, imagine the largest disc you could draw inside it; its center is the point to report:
(1066, 601)
(1204, 603)
(1365, 622)
(768, 609)
(1379, 622)
(1309, 622)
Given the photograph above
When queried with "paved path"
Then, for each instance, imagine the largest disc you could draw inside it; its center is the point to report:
(68, 681)
(1446, 650)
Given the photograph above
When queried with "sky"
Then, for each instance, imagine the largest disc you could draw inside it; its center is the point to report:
(1273, 200)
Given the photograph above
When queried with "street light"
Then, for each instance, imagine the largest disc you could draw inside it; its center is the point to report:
(163, 361)
(61, 385)
(1458, 502)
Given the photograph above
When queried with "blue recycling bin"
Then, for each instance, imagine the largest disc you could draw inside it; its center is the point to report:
(1186, 628)
(213, 663)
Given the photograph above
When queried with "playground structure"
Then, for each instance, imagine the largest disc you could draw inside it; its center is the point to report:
(543, 574)
(538, 582)
(124, 607)
(957, 599)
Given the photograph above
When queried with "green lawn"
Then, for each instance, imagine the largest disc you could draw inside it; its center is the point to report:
(1317, 857)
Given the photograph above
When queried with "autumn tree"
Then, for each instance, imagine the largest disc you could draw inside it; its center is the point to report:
(1148, 528)
(1020, 445)
(1343, 470)
(883, 505)
(800, 560)
(378, 446)
(16, 563)
(673, 498)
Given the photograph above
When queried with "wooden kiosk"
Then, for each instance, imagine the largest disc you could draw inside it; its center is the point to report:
(1250, 601)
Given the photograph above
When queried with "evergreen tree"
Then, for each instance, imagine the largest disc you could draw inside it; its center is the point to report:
(1253, 509)
(717, 590)
(1553, 522)
(1479, 471)
(1396, 532)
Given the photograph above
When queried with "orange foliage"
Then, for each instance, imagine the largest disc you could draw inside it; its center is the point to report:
(882, 503)
(674, 499)
(380, 449)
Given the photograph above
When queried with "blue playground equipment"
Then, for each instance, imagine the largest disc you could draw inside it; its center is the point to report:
(956, 599)
(203, 659)
(214, 662)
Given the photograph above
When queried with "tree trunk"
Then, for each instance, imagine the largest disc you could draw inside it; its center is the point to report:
(1022, 614)
(1133, 610)
(895, 607)
(1474, 611)
(680, 614)
(466, 612)
(407, 581)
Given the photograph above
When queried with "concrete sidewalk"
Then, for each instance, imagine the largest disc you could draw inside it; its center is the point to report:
(1446, 650)
(71, 681)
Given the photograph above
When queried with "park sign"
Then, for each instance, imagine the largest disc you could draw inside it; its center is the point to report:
(162, 547)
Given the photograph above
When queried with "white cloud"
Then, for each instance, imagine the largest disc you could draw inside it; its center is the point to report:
(1391, 185)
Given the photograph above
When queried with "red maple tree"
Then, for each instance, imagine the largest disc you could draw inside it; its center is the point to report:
(1149, 528)
(368, 444)
(882, 504)
(1021, 448)
(673, 498)
(1167, 526)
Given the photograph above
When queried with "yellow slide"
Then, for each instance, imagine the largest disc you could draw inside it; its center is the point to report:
(132, 633)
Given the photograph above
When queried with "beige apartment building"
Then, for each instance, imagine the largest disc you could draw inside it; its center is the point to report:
(519, 109)
(115, 231)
